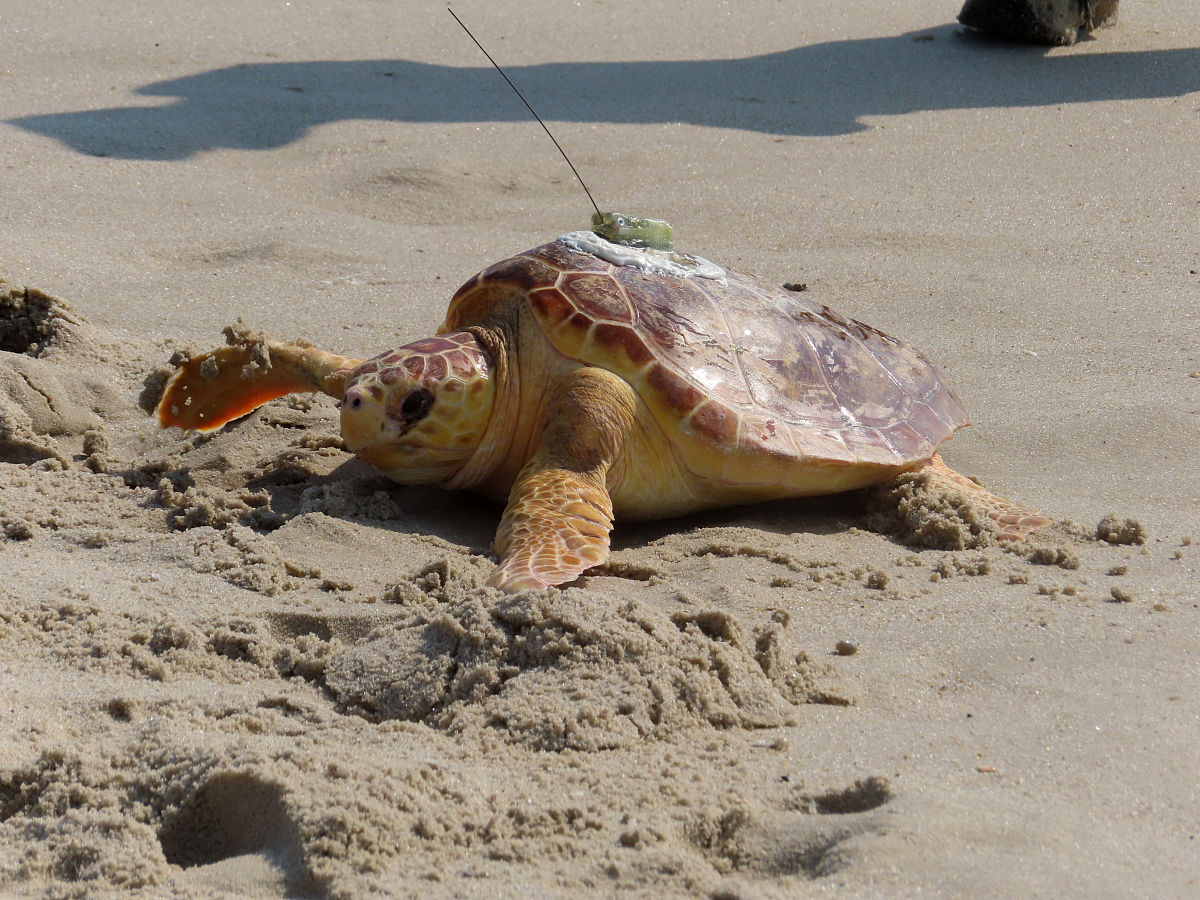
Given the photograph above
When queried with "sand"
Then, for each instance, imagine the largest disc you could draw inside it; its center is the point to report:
(247, 665)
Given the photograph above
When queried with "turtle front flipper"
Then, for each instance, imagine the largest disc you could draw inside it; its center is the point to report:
(217, 387)
(559, 512)
(1012, 521)
(555, 527)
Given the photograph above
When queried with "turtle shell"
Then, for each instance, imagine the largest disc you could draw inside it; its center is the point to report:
(733, 363)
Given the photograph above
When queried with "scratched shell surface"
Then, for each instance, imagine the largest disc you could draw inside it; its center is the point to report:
(742, 365)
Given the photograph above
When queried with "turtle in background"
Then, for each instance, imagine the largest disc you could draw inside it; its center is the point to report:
(586, 380)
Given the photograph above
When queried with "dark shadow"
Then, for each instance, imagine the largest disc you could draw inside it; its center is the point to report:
(237, 814)
(823, 89)
(830, 514)
(458, 517)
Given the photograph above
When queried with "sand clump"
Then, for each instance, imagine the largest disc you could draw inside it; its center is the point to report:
(1114, 530)
(921, 513)
(69, 824)
(246, 559)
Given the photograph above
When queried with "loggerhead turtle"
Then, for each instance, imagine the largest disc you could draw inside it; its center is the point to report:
(585, 380)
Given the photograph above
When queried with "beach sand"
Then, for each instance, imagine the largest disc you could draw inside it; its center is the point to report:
(248, 665)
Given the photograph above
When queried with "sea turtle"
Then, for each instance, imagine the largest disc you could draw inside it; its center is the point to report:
(584, 380)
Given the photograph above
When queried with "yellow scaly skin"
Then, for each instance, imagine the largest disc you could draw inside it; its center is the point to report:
(418, 413)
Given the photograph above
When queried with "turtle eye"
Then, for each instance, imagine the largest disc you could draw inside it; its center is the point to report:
(353, 398)
(416, 406)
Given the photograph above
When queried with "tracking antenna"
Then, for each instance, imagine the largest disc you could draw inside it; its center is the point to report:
(530, 108)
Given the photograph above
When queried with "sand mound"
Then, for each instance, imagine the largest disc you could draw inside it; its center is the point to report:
(571, 669)
(32, 322)
(59, 379)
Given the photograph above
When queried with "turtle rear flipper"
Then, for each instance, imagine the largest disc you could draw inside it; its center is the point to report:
(214, 388)
(1013, 522)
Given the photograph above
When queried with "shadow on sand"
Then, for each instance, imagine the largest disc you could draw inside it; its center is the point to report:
(823, 89)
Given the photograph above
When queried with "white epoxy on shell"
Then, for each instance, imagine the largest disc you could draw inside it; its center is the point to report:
(656, 262)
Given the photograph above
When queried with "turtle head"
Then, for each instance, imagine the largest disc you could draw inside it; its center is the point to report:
(419, 412)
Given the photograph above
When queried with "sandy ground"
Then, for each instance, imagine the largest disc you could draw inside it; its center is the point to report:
(250, 666)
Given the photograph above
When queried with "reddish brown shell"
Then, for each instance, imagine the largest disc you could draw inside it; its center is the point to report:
(740, 364)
